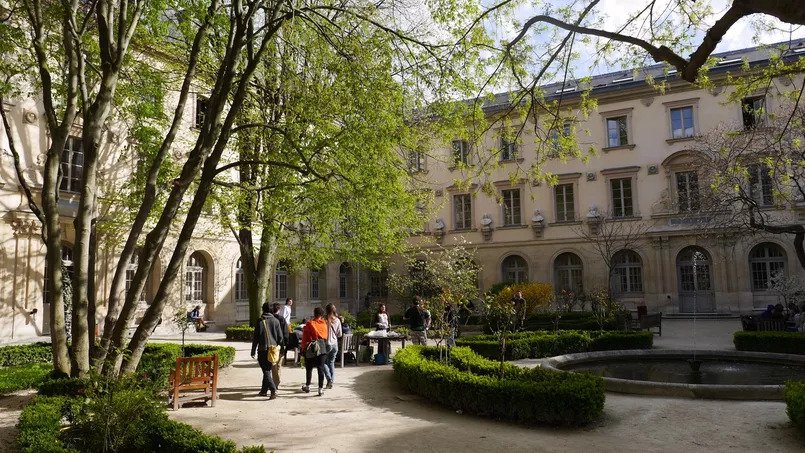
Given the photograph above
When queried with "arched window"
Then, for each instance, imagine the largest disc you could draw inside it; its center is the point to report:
(568, 273)
(514, 269)
(344, 275)
(765, 260)
(240, 282)
(195, 278)
(281, 281)
(627, 272)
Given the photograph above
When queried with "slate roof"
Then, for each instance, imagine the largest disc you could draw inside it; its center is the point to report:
(624, 79)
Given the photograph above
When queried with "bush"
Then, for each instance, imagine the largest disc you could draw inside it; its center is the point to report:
(535, 345)
(473, 384)
(40, 426)
(21, 377)
(25, 354)
(606, 341)
(147, 427)
(242, 332)
(536, 294)
(779, 342)
(795, 403)
(226, 354)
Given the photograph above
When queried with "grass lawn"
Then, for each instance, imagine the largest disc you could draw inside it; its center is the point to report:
(23, 376)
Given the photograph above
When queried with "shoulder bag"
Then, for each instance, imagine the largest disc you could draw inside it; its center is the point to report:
(273, 349)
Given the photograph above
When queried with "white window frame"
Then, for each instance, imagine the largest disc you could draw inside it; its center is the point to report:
(461, 152)
(563, 185)
(629, 273)
(281, 282)
(689, 202)
(512, 215)
(758, 119)
(766, 264)
(520, 272)
(761, 185)
(72, 173)
(466, 220)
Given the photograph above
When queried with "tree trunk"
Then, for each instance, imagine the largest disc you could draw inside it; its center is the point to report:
(53, 238)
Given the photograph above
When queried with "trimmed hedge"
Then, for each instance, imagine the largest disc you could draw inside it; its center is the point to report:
(779, 342)
(471, 383)
(25, 354)
(573, 320)
(795, 403)
(20, 377)
(242, 332)
(42, 431)
(534, 345)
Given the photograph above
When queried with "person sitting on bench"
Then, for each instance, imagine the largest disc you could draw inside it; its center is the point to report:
(195, 316)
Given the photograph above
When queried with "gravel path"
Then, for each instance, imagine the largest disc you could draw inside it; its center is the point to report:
(10, 407)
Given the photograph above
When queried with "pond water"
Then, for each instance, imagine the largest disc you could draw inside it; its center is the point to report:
(718, 372)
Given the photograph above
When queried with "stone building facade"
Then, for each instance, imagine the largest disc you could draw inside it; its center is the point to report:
(640, 172)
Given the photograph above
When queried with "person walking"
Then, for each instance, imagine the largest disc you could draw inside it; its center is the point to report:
(416, 322)
(286, 311)
(276, 310)
(333, 335)
(265, 340)
(316, 331)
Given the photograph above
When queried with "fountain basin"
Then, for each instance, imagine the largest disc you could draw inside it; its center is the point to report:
(740, 375)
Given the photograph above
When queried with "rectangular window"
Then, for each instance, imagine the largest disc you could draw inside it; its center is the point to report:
(511, 207)
(622, 197)
(682, 122)
(508, 149)
(72, 165)
(281, 285)
(565, 211)
(687, 191)
(617, 131)
(462, 211)
(240, 286)
(314, 285)
(556, 136)
(461, 152)
(754, 112)
(201, 110)
(416, 161)
(760, 186)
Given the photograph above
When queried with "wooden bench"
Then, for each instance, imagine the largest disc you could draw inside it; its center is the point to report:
(348, 344)
(771, 325)
(649, 321)
(197, 375)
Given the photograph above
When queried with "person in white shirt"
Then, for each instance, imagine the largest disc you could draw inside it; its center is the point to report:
(286, 311)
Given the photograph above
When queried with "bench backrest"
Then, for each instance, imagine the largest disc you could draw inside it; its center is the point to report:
(771, 325)
(348, 342)
(196, 370)
(651, 320)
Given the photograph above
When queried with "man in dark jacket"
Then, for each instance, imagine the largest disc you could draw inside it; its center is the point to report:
(266, 333)
(276, 309)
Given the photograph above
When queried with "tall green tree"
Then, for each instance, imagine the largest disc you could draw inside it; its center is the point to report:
(118, 62)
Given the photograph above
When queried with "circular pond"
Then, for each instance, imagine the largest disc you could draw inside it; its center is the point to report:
(700, 374)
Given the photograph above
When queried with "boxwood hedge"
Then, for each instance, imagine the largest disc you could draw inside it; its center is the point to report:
(25, 354)
(42, 430)
(795, 403)
(523, 345)
(779, 342)
(474, 384)
(242, 332)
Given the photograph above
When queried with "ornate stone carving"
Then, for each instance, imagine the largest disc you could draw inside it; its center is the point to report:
(653, 169)
(715, 91)
(30, 117)
(647, 101)
(591, 176)
(663, 205)
(24, 227)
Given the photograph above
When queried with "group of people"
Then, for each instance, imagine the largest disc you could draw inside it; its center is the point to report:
(793, 315)
(319, 345)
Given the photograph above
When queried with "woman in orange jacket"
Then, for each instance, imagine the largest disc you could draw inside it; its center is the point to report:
(315, 329)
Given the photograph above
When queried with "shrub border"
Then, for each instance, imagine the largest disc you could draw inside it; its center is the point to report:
(777, 342)
(470, 383)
